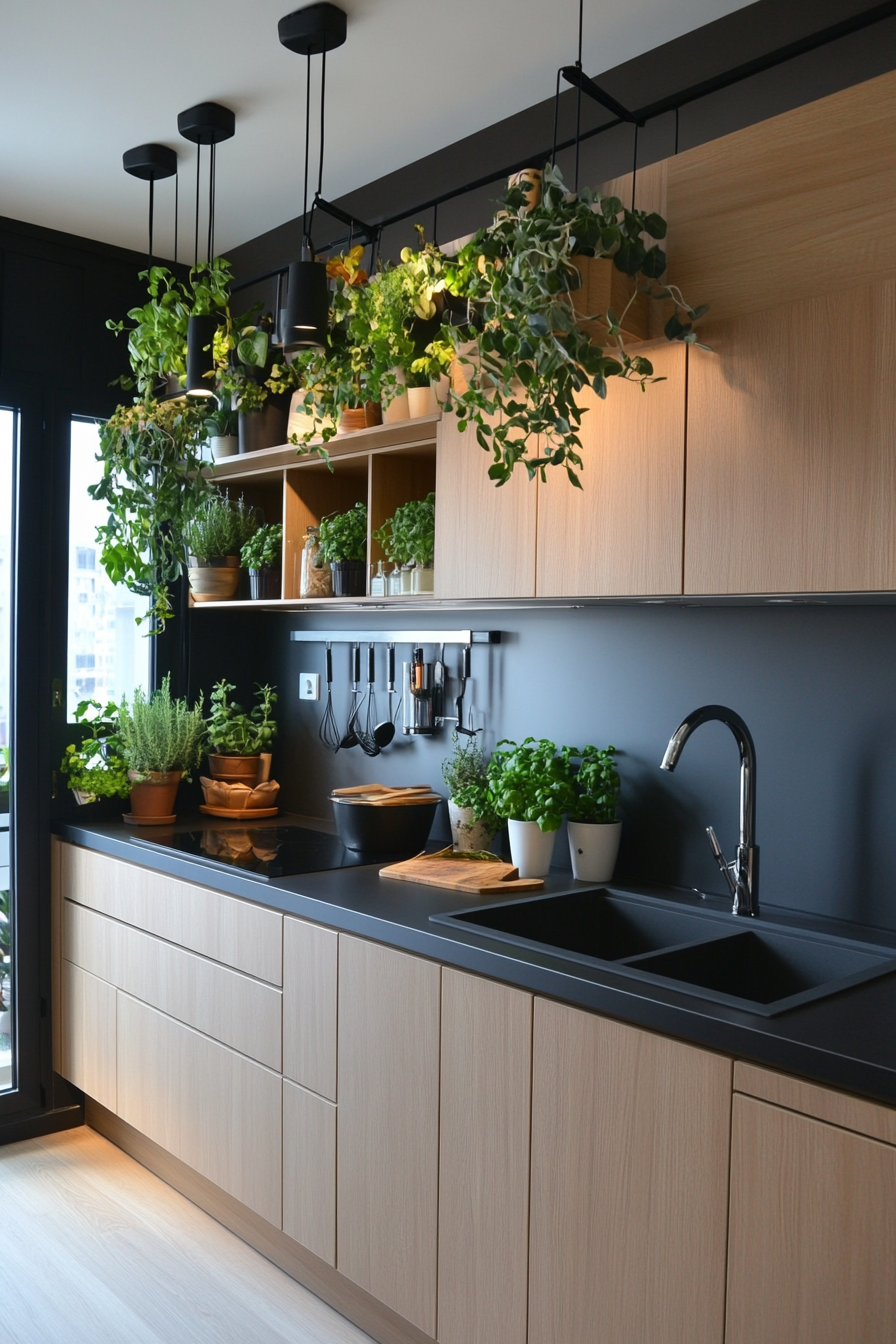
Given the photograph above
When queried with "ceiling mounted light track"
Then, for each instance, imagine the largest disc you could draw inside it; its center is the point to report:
(312, 31)
(152, 163)
(205, 124)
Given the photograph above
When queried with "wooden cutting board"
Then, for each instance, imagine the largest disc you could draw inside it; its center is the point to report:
(473, 877)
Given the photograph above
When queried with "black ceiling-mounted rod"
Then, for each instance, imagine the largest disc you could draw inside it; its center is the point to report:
(150, 163)
(575, 75)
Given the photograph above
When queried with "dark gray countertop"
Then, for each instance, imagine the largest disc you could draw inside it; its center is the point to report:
(847, 1041)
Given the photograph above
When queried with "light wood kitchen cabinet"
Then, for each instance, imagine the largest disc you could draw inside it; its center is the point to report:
(485, 535)
(87, 1034)
(388, 1127)
(812, 1232)
(791, 473)
(630, 1137)
(310, 969)
(484, 1161)
(621, 534)
(309, 1170)
(217, 1111)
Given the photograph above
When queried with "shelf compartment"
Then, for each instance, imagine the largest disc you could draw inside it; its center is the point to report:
(310, 492)
(396, 477)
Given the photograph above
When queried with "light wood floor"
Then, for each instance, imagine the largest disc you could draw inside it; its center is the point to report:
(96, 1250)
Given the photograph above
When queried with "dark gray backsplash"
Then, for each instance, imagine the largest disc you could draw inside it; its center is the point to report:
(814, 683)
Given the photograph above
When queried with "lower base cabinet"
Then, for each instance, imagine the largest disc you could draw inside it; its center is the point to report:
(812, 1255)
(309, 1170)
(630, 1135)
(217, 1111)
(87, 1034)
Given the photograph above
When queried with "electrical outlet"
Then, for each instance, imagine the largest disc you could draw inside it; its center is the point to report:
(309, 685)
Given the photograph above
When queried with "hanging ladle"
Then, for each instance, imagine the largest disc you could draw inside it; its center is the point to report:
(350, 736)
(384, 732)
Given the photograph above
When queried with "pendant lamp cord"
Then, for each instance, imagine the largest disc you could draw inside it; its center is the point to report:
(579, 95)
(151, 204)
(211, 206)
(634, 165)
(556, 110)
(323, 100)
(196, 233)
(176, 208)
(307, 132)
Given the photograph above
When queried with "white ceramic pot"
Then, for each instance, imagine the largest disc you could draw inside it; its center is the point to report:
(224, 445)
(466, 832)
(423, 579)
(531, 848)
(398, 408)
(422, 401)
(593, 847)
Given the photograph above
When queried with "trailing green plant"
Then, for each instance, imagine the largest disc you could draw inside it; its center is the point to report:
(343, 536)
(466, 779)
(410, 534)
(530, 782)
(220, 527)
(532, 358)
(263, 550)
(234, 732)
(595, 783)
(160, 734)
(96, 767)
(152, 484)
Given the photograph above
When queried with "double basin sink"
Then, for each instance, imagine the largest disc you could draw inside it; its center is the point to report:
(762, 968)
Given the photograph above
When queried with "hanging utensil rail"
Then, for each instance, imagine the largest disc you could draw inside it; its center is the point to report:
(395, 636)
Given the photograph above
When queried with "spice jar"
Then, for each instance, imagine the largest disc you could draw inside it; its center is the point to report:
(315, 578)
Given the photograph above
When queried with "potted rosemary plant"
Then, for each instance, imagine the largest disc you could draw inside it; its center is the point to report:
(215, 536)
(161, 742)
(531, 787)
(262, 556)
(343, 544)
(592, 826)
(239, 741)
(471, 808)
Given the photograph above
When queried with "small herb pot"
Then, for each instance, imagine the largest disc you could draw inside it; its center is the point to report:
(423, 579)
(349, 578)
(531, 848)
(153, 793)
(593, 847)
(234, 769)
(422, 401)
(265, 428)
(224, 445)
(360, 417)
(466, 832)
(398, 408)
(265, 584)
(214, 580)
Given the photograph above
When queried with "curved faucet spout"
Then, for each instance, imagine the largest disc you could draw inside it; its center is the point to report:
(743, 874)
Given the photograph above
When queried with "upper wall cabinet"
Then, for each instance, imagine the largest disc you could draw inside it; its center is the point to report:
(485, 535)
(621, 534)
(791, 473)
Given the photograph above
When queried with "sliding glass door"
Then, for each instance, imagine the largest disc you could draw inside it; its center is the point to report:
(9, 427)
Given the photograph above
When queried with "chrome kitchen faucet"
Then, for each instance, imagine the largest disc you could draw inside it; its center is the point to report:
(742, 875)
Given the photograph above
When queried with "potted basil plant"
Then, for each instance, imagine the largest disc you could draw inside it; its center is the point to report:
(471, 808)
(530, 784)
(215, 536)
(410, 536)
(592, 825)
(343, 544)
(262, 556)
(239, 740)
(161, 742)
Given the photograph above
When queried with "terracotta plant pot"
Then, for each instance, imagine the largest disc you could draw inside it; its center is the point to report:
(265, 584)
(214, 580)
(234, 769)
(265, 428)
(349, 578)
(533, 177)
(360, 417)
(153, 795)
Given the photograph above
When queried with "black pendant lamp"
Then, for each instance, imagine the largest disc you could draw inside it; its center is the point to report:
(151, 163)
(204, 124)
(312, 31)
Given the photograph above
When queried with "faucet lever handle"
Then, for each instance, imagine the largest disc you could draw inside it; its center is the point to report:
(724, 865)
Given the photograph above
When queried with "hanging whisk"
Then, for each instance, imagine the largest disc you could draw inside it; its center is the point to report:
(329, 732)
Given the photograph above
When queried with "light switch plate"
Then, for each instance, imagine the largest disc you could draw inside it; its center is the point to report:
(309, 685)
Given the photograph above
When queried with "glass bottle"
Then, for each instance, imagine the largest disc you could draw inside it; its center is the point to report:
(315, 578)
(395, 581)
(378, 581)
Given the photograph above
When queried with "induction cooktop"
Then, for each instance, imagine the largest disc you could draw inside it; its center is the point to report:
(261, 851)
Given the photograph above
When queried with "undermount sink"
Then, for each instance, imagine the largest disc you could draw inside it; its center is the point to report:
(765, 969)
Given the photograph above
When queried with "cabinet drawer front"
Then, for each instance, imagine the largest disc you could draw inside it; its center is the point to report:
(310, 972)
(837, 1108)
(87, 1034)
(224, 928)
(214, 1109)
(309, 1171)
(240, 1012)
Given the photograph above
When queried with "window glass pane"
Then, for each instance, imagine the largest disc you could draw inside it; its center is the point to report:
(8, 432)
(108, 653)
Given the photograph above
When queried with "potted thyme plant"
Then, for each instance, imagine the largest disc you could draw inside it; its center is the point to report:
(592, 825)
(262, 556)
(343, 544)
(215, 537)
(239, 740)
(161, 742)
(471, 808)
(531, 787)
(409, 536)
